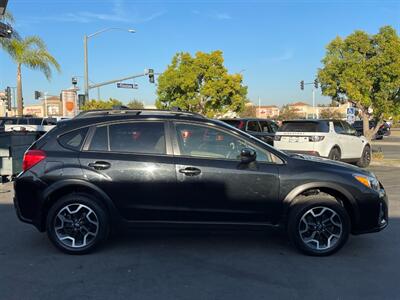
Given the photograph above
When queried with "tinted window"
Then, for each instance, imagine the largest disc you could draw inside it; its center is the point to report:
(206, 142)
(74, 139)
(235, 123)
(265, 127)
(143, 137)
(253, 126)
(338, 127)
(23, 121)
(303, 126)
(35, 121)
(100, 139)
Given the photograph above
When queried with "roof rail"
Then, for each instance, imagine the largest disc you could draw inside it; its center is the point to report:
(121, 111)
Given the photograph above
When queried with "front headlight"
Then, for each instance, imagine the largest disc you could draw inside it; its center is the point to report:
(369, 181)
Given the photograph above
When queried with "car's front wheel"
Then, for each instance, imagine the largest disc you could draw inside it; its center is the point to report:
(76, 224)
(318, 225)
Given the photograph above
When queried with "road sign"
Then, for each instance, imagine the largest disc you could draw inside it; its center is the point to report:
(351, 119)
(351, 111)
(122, 85)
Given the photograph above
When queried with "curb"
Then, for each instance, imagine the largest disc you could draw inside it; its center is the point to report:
(395, 163)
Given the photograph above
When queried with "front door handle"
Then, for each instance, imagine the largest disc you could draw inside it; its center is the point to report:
(99, 165)
(190, 171)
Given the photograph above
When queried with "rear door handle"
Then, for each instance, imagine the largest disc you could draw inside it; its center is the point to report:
(99, 165)
(190, 171)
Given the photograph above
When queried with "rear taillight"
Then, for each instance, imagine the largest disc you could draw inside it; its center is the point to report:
(315, 138)
(31, 158)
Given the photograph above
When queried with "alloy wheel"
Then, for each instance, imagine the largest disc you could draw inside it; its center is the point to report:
(320, 228)
(76, 225)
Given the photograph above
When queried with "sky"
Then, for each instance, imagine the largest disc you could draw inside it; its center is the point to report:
(274, 44)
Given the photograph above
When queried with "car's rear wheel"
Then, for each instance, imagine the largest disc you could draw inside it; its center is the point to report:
(76, 224)
(365, 158)
(318, 225)
(334, 154)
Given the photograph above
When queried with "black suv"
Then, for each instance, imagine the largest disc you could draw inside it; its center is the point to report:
(263, 129)
(105, 169)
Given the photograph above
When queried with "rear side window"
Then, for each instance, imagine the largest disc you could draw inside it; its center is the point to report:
(304, 127)
(136, 137)
(35, 121)
(73, 140)
(265, 127)
(235, 123)
(253, 126)
(338, 127)
(100, 139)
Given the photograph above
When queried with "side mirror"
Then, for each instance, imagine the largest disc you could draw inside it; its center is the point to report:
(248, 155)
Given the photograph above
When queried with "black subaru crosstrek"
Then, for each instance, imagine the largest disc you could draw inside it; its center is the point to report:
(106, 169)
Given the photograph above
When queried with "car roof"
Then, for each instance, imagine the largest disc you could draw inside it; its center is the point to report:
(310, 120)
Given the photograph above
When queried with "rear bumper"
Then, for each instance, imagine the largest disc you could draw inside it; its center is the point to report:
(28, 202)
(313, 153)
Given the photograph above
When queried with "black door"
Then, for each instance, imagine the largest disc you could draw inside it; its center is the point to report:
(214, 184)
(132, 164)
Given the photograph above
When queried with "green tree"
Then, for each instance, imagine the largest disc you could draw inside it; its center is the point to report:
(101, 104)
(32, 53)
(135, 104)
(201, 84)
(288, 113)
(365, 70)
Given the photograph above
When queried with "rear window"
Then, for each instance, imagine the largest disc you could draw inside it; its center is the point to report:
(304, 127)
(74, 139)
(235, 123)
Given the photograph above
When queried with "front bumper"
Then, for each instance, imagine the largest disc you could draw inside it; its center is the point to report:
(374, 214)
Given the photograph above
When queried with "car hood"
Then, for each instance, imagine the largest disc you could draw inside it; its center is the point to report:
(329, 162)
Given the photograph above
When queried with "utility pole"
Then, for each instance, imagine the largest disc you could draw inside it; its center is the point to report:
(86, 68)
(315, 87)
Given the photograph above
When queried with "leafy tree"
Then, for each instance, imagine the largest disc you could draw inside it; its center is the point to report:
(135, 104)
(32, 53)
(201, 84)
(288, 113)
(365, 70)
(330, 113)
(101, 104)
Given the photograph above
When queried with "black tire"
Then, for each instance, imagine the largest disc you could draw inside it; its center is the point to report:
(91, 213)
(301, 208)
(365, 158)
(335, 154)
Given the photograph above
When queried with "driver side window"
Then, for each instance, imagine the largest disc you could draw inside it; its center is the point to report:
(207, 142)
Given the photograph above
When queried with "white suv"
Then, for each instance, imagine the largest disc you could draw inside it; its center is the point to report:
(333, 139)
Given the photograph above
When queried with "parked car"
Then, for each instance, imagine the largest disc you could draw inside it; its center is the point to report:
(333, 139)
(26, 123)
(106, 169)
(260, 128)
(358, 125)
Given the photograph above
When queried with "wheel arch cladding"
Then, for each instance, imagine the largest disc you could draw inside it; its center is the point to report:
(61, 188)
(339, 193)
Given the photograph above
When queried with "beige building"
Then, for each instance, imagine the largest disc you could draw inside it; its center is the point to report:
(307, 111)
(52, 103)
(267, 111)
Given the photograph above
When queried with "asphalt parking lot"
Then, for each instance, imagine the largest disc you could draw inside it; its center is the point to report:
(200, 265)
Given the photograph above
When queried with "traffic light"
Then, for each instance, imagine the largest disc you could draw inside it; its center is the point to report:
(81, 100)
(316, 83)
(151, 75)
(8, 98)
(302, 85)
(37, 95)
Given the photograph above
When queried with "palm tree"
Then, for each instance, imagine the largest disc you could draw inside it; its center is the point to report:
(32, 53)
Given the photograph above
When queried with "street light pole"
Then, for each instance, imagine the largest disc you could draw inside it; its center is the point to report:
(86, 71)
(85, 49)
